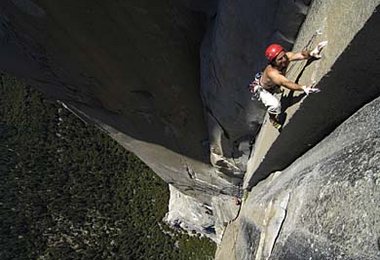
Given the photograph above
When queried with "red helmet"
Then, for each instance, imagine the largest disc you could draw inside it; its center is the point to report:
(272, 51)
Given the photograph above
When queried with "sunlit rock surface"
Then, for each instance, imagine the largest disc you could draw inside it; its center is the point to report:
(324, 206)
(187, 213)
(347, 75)
(209, 219)
(321, 203)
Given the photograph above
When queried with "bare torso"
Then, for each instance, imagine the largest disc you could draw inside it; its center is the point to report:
(273, 75)
(265, 81)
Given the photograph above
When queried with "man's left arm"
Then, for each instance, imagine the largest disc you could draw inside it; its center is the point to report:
(304, 55)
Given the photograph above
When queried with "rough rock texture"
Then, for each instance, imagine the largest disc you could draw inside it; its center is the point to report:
(210, 219)
(324, 206)
(187, 213)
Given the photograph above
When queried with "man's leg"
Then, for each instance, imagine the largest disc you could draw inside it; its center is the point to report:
(273, 105)
(273, 118)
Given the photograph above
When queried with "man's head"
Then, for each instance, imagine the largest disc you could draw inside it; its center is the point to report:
(277, 57)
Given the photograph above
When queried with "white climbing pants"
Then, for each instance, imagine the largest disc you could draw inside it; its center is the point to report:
(268, 99)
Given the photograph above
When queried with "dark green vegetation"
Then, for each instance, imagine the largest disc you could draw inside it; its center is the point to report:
(68, 191)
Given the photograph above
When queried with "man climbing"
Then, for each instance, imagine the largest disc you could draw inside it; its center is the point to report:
(268, 82)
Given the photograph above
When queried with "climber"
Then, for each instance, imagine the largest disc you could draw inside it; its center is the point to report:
(268, 82)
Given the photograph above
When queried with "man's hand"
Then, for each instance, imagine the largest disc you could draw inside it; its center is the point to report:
(316, 52)
(310, 89)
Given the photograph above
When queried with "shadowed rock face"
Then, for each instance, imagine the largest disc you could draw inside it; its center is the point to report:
(129, 65)
(134, 60)
(134, 68)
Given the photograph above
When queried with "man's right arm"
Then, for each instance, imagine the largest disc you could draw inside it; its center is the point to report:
(281, 80)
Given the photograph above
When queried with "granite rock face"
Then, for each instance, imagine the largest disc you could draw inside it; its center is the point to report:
(324, 206)
(168, 80)
(209, 219)
(347, 75)
(312, 196)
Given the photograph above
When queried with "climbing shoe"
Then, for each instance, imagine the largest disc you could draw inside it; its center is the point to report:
(276, 124)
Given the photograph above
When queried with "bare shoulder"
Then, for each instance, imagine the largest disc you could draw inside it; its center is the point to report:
(272, 72)
(275, 76)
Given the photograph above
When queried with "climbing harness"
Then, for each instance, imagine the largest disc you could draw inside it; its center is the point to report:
(255, 86)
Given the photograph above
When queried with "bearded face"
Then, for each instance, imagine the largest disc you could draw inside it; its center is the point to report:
(281, 61)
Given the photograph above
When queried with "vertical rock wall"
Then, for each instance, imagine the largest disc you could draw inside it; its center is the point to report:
(346, 75)
(130, 66)
(321, 203)
(324, 206)
(232, 52)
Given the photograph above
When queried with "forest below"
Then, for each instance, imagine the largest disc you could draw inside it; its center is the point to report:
(68, 191)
